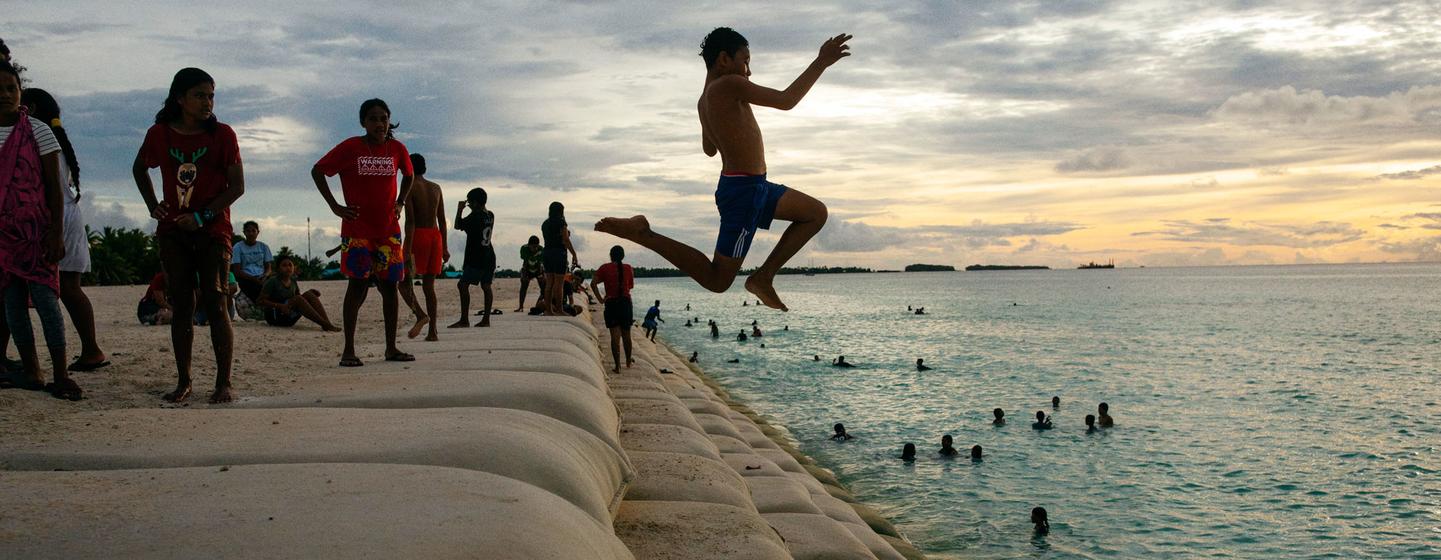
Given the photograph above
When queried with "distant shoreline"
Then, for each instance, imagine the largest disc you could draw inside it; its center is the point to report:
(986, 267)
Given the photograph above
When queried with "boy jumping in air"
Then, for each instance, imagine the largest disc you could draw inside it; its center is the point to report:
(746, 200)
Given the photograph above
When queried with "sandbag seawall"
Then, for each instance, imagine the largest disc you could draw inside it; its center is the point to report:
(496, 443)
(715, 480)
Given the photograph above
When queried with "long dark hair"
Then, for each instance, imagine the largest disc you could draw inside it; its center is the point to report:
(185, 79)
(44, 107)
(557, 213)
(373, 103)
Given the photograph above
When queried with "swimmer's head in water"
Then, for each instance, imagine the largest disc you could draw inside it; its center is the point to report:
(840, 429)
(1040, 416)
(477, 197)
(975, 452)
(908, 451)
(417, 163)
(999, 413)
(1055, 402)
(617, 254)
(920, 361)
(724, 41)
(1103, 408)
(946, 441)
(1038, 516)
(1090, 419)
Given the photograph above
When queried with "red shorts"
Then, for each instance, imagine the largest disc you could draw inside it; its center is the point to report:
(382, 258)
(428, 249)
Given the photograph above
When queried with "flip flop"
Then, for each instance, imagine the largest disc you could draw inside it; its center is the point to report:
(351, 362)
(400, 357)
(68, 392)
(77, 366)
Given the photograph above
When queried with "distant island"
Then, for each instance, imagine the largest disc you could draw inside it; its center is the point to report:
(646, 272)
(1094, 265)
(1005, 267)
(930, 268)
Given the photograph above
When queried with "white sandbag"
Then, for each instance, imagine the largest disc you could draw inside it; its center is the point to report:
(815, 487)
(750, 464)
(837, 509)
(293, 511)
(540, 450)
(651, 411)
(627, 391)
(877, 545)
(696, 531)
(704, 405)
(727, 444)
(506, 360)
(817, 537)
(717, 425)
(782, 459)
(779, 494)
(662, 476)
(663, 437)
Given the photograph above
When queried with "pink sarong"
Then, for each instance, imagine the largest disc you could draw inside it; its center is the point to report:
(23, 212)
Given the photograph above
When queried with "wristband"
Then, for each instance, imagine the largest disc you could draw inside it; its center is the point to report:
(198, 221)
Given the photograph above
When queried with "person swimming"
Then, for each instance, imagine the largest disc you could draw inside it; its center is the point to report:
(733, 361)
(741, 337)
(694, 357)
(687, 307)
(920, 311)
(946, 449)
(746, 303)
(787, 327)
(921, 366)
(841, 362)
(1000, 417)
(841, 434)
(714, 330)
(754, 322)
(975, 452)
(756, 332)
(816, 358)
(908, 452)
(1038, 517)
(1103, 417)
(688, 324)
(908, 308)
(1042, 422)
(1090, 423)
(1055, 402)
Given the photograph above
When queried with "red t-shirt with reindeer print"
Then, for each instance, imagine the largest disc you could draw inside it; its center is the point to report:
(192, 172)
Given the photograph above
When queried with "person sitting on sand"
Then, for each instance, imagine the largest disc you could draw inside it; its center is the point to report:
(756, 332)
(1000, 417)
(1103, 417)
(841, 434)
(250, 261)
(741, 337)
(1042, 422)
(841, 362)
(747, 201)
(1055, 402)
(975, 452)
(1038, 517)
(921, 365)
(649, 323)
(947, 450)
(154, 308)
(1090, 423)
(285, 303)
(908, 452)
(617, 278)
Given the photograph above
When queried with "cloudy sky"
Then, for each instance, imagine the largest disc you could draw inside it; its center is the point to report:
(1048, 132)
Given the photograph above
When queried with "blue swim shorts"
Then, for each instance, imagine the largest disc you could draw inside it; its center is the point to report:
(746, 203)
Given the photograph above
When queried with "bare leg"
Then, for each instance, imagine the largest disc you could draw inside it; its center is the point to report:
(82, 315)
(313, 298)
(391, 307)
(355, 292)
(489, 300)
(625, 336)
(714, 275)
(807, 216)
(552, 293)
(615, 348)
(428, 285)
(222, 340)
(305, 304)
(524, 285)
(464, 305)
(407, 292)
(182, 336)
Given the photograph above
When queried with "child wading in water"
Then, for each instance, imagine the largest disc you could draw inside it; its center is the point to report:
(425, 240)
(31, 219)
(369, 220)
(746, 200)
(479, 265)
(201, 176)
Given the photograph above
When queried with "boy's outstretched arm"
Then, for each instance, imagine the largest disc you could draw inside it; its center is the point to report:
(831, 52)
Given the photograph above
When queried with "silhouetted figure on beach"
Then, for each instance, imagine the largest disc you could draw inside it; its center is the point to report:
(841, 362)
(1055, 402)
(1000, 417)
(1103, 417)
(975, 452)
(1038, 517)
(947, 450)
(841, 434)
(1042, 422)
(1090, 423)
(908, 452)
(921, 365)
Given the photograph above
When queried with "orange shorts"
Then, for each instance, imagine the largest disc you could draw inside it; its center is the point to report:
(428, 249)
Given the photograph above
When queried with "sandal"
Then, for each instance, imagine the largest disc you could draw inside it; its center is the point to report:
(400, 357)
(78, 366)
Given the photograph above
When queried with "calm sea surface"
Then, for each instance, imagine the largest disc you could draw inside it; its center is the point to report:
(1277, 412)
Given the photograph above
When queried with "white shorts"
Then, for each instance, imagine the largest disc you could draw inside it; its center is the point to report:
(77, 245)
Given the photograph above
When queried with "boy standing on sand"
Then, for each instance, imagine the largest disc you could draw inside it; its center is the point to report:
(746, 200)
(425, 238)
(479, 266)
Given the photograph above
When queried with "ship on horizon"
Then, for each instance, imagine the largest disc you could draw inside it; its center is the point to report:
(1109, 264)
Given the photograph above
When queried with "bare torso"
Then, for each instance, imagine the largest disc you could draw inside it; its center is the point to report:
(425, 197)
(728, 123)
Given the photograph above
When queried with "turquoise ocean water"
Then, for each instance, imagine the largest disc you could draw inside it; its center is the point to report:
(1261, 412)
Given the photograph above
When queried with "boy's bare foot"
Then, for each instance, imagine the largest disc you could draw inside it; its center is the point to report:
(761, 287)
(484, 322)
(463, 322)
(331, 328)
(432, 337)
(631, 228)
(629, 363)
(518, 310)
(222, 395)
(180, 393)
(420, 321)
